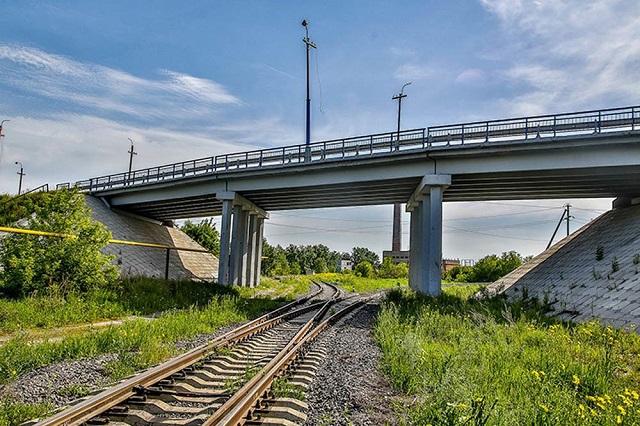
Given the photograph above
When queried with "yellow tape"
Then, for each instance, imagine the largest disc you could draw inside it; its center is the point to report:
(121, 242)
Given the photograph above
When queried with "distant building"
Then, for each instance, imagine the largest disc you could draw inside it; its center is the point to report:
(346, 265)
(396, 256)
(447, 264)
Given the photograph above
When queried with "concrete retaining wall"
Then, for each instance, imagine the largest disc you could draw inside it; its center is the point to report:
(141, 261)
(580, 287)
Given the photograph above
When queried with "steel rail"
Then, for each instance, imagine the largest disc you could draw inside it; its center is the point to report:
(236, 409)
(92, 407)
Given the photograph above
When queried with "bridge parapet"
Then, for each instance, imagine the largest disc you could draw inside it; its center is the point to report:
(381, 144)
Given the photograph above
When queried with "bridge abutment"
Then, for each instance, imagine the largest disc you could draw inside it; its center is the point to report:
(240, 240)
(425, 255)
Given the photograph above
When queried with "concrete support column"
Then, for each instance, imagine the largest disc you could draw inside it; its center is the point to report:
(250, 265)
(425, 246)
(238, 245)
(225, 240)
(434, 254)
(414, 245)
(425, 256)
(258, 252)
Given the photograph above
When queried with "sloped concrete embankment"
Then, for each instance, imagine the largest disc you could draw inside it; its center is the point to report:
(149, 262)
(592, 274)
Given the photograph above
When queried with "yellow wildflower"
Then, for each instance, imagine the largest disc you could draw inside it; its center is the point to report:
(622, 410)
(618, 420)
(544, 407)
(576, 380)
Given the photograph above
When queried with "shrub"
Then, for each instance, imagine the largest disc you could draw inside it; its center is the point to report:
(65, 264)
(365, 269)
(204, 233)
(487, 269)
(389, 269)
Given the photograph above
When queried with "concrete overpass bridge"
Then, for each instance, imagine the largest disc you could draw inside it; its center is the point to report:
(573, 155)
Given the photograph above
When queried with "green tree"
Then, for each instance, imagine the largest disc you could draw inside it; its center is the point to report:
(68, 264)
(362, 254)
(204, 233)
(389, 269)
(365, 269)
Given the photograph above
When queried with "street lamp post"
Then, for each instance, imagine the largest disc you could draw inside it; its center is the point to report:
(396, 238)
(309, 45)
(1, 125)
(21, 173)
(399, 98)
(131, 154)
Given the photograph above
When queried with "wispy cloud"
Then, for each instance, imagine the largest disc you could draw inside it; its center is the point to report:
(103, 88)
(571, 54)
(414, 72)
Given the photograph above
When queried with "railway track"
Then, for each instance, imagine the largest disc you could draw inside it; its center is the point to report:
(227, 381)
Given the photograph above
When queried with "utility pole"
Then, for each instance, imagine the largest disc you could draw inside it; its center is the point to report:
(131, 154)
(396, 238)
(21, 173)
(399, 98)
(566, 215)
(309, 45)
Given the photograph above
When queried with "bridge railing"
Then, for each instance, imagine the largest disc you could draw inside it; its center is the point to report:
(575, 123)
(523, 128)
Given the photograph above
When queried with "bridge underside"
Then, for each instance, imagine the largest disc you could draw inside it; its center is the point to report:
(550, 184)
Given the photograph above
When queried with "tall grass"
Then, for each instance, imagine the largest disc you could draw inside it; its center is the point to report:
(475, 363)
(357, 284)
(136, 296)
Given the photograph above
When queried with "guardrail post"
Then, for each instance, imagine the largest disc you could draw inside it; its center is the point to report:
(423, 138)
(599, 121)
(486, 132)
(371, 144)
(526, 128)
(633, 118)
(462, 135)
(90, 184)
(246, 160)
(260, 161)
(554, 126)
(324, 150)
(342, 148)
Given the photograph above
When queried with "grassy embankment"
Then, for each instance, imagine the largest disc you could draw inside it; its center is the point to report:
(468, 362)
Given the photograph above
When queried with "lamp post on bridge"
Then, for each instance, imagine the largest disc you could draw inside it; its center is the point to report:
(21, 173)
(1, 126)
(309, 45)
(131, 154)
(396, 239)
(399, 98)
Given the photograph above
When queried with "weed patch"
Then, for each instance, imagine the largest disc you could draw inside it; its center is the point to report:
(496, 363)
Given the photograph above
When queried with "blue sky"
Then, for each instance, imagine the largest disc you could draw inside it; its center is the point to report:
(193, 79)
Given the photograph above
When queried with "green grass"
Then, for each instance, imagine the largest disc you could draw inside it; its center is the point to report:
(14, 413)
(139, 296)
(468, 362)
(350, 282)
(286, 288)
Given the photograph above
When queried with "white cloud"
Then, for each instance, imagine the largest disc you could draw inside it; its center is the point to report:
(413, 72)
(108, 89)
(470, 76)
(571, 54)
(67, 147)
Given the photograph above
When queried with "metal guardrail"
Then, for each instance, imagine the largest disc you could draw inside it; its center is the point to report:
(41, 188)
(381, 144)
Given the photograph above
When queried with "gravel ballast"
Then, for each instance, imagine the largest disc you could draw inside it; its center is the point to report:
(349, 388)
